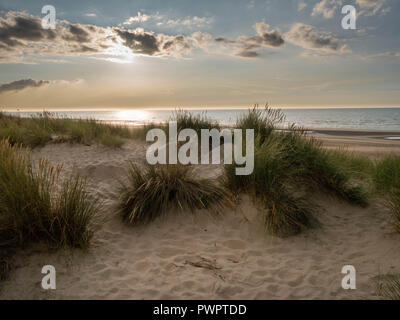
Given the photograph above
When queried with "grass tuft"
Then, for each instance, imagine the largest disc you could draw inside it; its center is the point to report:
(188, 120)
(388, 287)
(322, 168)
(45, 127)
(286, 210)
(289, 166)
(387, 183)
(32, 208)
(263, 121)
(153, 191)
(394, 206)
(387, 174)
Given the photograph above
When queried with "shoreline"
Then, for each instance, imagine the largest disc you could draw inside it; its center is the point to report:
(371, 143)
(355, 132)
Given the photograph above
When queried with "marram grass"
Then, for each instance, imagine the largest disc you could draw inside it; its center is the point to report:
(156, 190)
(394, 206)
(184, 120)
(387, 183)
(46, 127)
(387, 174)
(388, 287)
(35, 206)
(286, 209)
(187, 120)
(289, 167)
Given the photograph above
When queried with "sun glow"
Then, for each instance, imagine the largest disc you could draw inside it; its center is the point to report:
(118, 52)
(134, 115)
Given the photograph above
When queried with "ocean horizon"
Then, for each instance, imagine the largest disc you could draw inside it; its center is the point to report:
(310, 118)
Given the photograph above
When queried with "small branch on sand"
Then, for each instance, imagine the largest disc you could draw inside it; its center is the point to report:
(204, 263)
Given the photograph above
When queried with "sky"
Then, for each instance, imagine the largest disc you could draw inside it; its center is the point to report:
(202, 54)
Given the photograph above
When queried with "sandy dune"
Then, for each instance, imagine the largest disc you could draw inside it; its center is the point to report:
(199, 256)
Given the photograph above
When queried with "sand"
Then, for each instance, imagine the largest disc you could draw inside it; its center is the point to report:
(367, 142)
(198, 256)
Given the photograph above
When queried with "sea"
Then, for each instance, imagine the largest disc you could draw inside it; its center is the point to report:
(310, 118)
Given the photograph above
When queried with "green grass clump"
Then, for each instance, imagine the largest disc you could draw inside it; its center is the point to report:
(388, 287)
(394, 206)
(184, 119)
(262, 121)
(387, 183)
(33, 207)
(188, 120)
(359, 166)
(387, 174)
(286, 210)
(153, 191)
(140, 132)
(45, 127)
(289, 166)
(322, 168)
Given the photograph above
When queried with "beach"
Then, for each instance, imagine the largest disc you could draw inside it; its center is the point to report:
(373, 143)
(200, 256)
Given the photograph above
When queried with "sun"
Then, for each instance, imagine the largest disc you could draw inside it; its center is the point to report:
(118, 52)
(133, 115)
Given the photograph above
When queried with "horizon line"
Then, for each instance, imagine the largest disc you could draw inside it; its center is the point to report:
(194, 108)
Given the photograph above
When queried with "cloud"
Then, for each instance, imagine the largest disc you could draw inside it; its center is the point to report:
(163, 21)
(91, 15)
(149, 43)
(246, 45)
(372, 7)
(16, 29)
(23, 40)
(395, 54)
(140, 17)
(189, 22)
(265, 36)
(326, 8)
(19, 85)
(247, 54)
(301, 5)
(308, 37)
(22, 34)
(201, 40)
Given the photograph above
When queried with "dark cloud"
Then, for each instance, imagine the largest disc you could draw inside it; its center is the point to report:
(21, 33)
(247, 54)
(22, 37)
(22, 84)
(139, 41)
(246, 45)
(77, 33)
(265, 37)
(225, 41)
(148, 43)
(16, 29)
(308, 37)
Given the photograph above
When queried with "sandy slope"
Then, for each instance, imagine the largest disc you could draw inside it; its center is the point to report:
(185, 256)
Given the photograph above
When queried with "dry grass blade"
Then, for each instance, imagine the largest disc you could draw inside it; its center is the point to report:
(204, 263)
